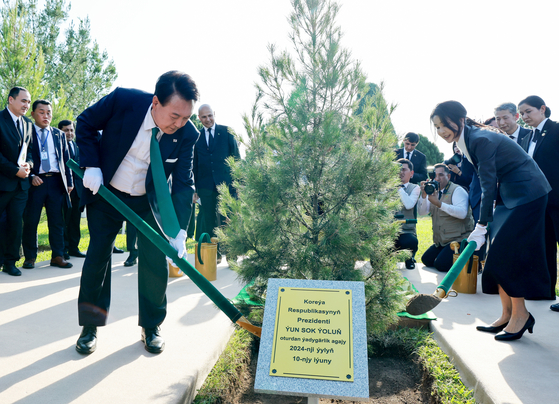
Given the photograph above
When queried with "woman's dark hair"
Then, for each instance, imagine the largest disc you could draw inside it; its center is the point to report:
(451, 112)
(489, 120)
(536, 102)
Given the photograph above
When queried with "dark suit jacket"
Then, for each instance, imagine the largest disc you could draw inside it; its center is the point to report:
(120, 115)
(62, 155)
(10, 147)
(546, 155)
(499, 159)
(468, 173)
(210, 168)
(75, 155)
(522, 134)
(419, 165)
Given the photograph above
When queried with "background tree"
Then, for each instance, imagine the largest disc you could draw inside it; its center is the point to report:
(316, 191)
(431, 151)
(75, 72)
(21, 59)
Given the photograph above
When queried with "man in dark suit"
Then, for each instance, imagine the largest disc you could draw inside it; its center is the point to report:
(418, 159)
(72, 215)
(120, 158)
(16, 139)
(506, 117)
(215, 145)
(51, 182)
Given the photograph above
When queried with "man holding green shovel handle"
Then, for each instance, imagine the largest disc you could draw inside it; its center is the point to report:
(135, 125)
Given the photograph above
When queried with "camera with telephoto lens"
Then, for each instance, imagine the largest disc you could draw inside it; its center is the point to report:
(457, 158)
(431, 185)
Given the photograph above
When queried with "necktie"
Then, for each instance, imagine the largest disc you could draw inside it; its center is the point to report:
(537, 136)
(45, 163)
(19, 128)
(210, 139)
(408, 155)
(167, 213)
(512, 137)
(440, 194)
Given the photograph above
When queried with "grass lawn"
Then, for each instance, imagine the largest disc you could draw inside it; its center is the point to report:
(45, 252)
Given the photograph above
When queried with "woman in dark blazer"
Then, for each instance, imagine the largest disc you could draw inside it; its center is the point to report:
(543, 145)
(515, 266)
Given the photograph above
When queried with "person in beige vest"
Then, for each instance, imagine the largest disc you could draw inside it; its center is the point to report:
(409, 194)
(451, 216)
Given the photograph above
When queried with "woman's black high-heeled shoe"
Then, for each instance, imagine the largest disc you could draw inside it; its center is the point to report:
(491, 328)
(507, 336)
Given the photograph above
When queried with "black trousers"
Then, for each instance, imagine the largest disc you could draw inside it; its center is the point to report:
(72, 219)
(407, 241)
(195, 225)
(50, 194)
(12, 204)
(441, 257)
(94, 299)
(210, 216)
(551, 240)
(131, 237)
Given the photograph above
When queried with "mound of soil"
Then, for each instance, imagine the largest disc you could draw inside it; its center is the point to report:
(391, 381)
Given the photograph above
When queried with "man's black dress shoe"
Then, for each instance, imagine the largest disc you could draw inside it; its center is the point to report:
(508, 336)
(117, 250)
(132, 259)
(87, 342)
(66, 256)
(492, 329)
(554, 307)
(76, 253)
(28, 264)
(410, 264)
(153, 342)
(11, 269)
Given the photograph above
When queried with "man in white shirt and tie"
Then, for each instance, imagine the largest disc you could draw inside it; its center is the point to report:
(15, 165)
(409, 195)
(506, 116)
(215, 145)
(121, 160)
(51, 181)
(418, 159)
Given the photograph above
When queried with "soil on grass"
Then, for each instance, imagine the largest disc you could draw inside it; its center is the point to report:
(391, 381)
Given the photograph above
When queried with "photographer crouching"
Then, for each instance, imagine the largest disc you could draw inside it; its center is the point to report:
(409, 194)
(447, 203)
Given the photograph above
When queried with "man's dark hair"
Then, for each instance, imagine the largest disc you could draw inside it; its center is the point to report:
(406, 161)
(439, 165)
(412, 137)
(14, 92)
(42, 102)
(64, 123)
(175, 82)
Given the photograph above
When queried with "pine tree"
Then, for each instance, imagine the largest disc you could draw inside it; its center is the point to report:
(316, 191)
(73, 71)
(21, 60)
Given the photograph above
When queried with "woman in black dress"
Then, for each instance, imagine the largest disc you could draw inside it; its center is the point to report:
(515, 266)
